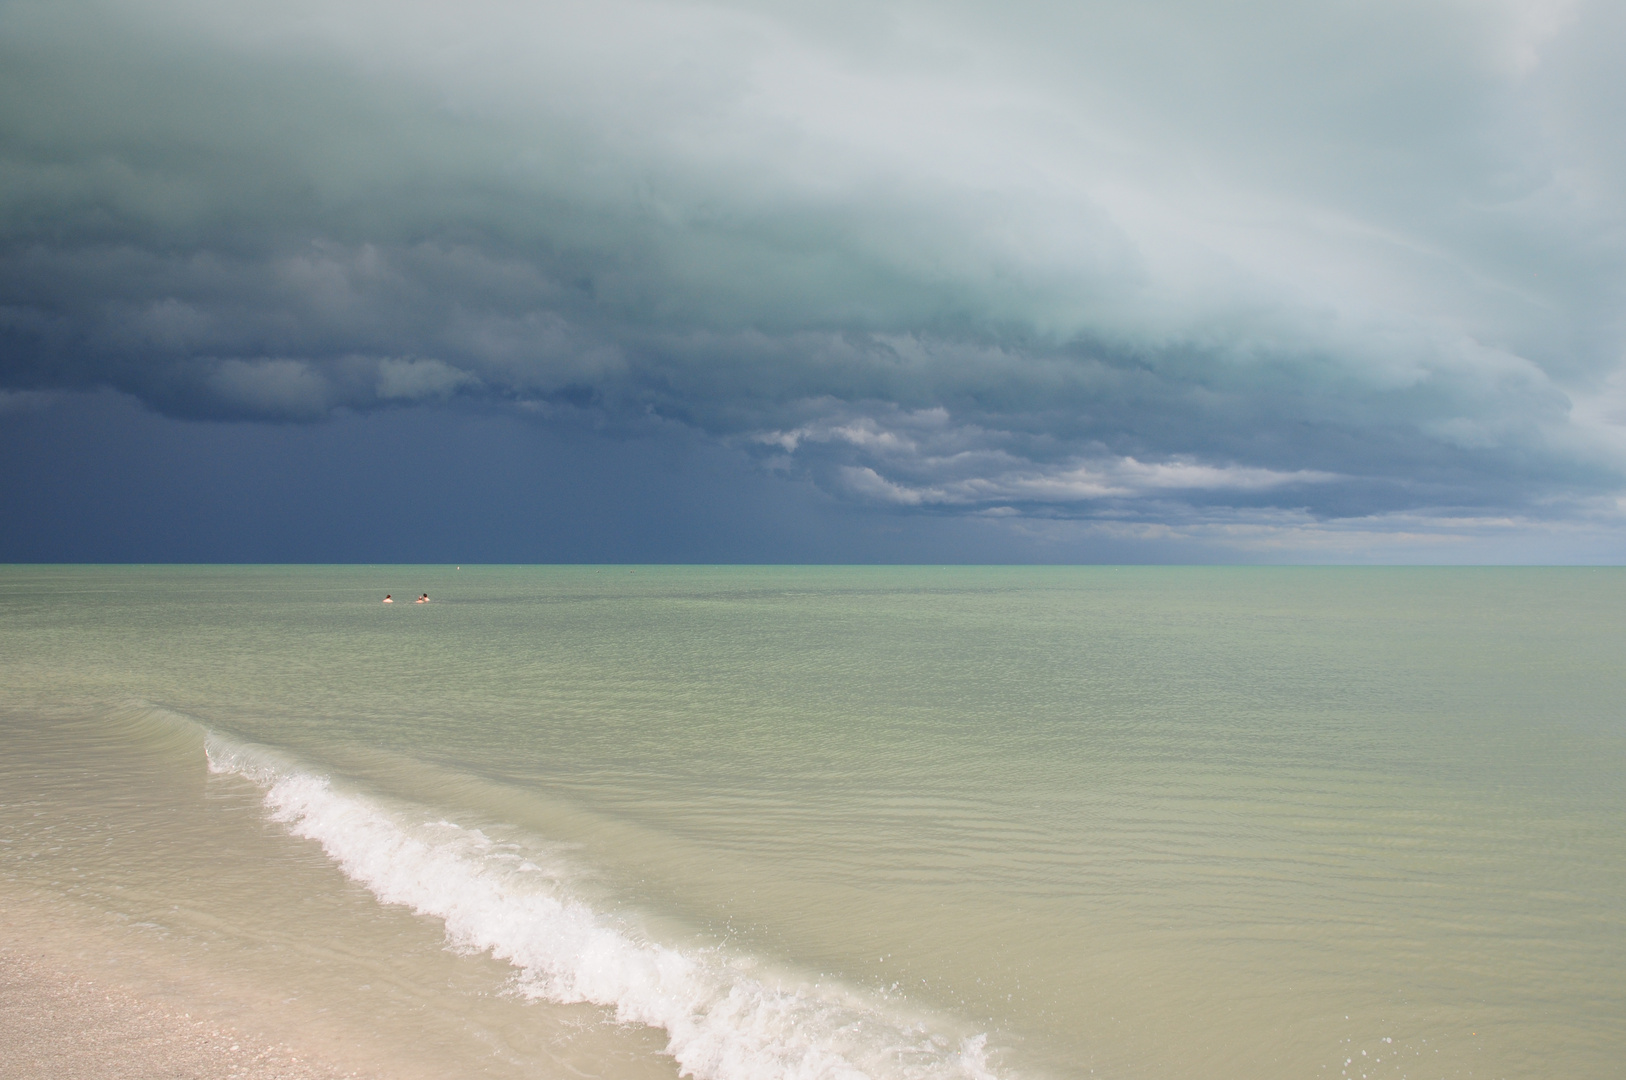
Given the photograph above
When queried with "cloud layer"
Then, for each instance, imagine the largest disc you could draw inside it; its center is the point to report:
(1172, 264)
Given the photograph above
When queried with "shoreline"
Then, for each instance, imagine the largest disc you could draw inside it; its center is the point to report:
(152, 917)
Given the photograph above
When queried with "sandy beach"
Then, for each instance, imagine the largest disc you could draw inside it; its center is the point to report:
(92, 995)
(57, 1024)
(79, 1003)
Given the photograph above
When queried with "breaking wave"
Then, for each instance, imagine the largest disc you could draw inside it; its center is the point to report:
(726, 1018)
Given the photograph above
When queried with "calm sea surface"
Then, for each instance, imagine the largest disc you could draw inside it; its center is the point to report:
(837, 822)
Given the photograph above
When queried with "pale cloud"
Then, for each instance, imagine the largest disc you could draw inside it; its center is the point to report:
(282, 388)
(865, 482)
(925, 458)
(415, 380)
(1120, 478)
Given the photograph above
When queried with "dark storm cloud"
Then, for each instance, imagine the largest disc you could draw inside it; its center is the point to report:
(1177, 264)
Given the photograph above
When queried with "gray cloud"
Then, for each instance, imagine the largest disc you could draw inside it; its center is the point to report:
(1163, 263)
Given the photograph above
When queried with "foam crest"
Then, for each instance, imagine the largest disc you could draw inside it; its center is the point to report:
(725, 1018)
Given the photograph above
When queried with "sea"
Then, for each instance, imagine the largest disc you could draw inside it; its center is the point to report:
(905, 823)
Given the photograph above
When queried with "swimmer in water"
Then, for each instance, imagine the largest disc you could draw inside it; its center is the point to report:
(387, 599)
(424, 599)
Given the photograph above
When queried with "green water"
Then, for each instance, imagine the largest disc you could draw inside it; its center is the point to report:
(1148, 822)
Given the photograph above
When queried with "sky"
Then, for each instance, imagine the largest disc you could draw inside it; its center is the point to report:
(663, 281)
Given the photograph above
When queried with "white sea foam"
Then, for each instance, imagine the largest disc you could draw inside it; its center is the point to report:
(725, 1020)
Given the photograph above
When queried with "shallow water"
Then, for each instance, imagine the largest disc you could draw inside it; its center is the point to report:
(895, 822)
